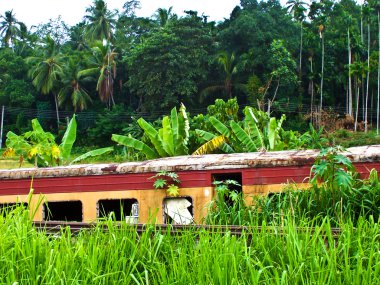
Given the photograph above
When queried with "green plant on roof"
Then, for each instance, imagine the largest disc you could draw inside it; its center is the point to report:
(167, 180)
(250, 135)
(171, 140)
(333, 169)
(39, 147)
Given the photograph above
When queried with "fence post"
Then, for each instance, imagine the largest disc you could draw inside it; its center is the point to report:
(1, 128)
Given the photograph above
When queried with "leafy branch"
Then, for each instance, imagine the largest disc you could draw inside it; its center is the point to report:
(169, 180)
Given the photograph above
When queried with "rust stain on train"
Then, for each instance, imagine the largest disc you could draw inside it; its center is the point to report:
(190, 163)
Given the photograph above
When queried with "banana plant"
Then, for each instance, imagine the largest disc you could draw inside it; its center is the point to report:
(245, 136)
(170, 140)
(40, 147)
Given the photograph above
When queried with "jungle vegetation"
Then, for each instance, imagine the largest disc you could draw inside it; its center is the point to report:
(114, 67)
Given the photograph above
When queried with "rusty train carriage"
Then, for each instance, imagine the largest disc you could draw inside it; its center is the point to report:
(86, 192)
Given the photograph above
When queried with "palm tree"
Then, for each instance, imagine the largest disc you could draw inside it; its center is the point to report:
(350, 111)
(46, 70)
(367, 15)
(104, 66)
(297, 9)
(321, 36)
(100, 21)
(164, 15)
(10, 28)
(228, 63)
(77, 37)
(376, 6)
(358, 70)
(72, 90)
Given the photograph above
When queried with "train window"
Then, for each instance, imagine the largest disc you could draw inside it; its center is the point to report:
(8, 207)
(225, 177)
(178, 210)
(70, 211)
(120, 209)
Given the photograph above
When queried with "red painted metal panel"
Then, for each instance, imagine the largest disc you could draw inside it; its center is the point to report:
(365, 168)
(116, 182)
(276, 175)
(141, 181)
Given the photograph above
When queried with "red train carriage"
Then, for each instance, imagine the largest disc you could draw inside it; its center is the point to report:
(88, 192)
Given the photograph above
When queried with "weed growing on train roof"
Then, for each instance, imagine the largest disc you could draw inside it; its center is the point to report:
(336, 192)
(283, 254)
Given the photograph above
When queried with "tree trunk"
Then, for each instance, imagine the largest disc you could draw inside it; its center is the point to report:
(350, 112)
(368, 72)
(275, 92)
(300, 63)
(323, 63)
(378, 74)
(357, 104)
(361, 24)
(56, 110)
(312, 88)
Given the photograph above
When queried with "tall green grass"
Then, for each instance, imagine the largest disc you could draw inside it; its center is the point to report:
(278, 254)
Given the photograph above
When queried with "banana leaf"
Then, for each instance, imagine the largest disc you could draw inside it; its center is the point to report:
(206, 136)
(210, 146)
(220, 127)
(183, 132)
(153, 135)
(38, 134)
(174, 125)
(93, 153)
(274, 128)
(136, 144)
(68, 139)
(183, 127)
(247, 143)
(167, 137)
(252, 129)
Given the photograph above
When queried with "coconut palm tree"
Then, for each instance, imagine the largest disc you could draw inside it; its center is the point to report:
(298, 8)
(228, 63)
(367, 16)
(164, 15)
(10, 28)
(72, 91)
(77, 37)
(99, 21)
(321, 36)
(46, 70)
(103, 65)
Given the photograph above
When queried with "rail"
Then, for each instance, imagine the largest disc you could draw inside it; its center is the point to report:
(54, 227)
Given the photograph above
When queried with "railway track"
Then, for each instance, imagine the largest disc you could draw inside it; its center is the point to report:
(54, 227)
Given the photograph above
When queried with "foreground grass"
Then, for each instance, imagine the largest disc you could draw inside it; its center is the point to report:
(118, 256)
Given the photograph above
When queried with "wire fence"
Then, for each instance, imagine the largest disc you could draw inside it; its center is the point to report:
(51, 114)
(87, 119)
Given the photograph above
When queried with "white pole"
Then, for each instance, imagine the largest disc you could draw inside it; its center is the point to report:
(1, 128)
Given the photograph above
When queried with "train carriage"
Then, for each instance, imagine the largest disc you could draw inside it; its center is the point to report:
(89, 192)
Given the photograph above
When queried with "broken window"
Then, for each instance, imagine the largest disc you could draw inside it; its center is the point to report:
(119, 209)
(178, 210)
(236, 185)
(70, 211)
(8, 207)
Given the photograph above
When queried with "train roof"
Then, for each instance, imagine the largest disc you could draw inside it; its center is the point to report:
(360, 154)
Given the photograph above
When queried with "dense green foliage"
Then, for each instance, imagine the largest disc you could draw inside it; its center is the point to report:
(278, 254)
(337, 193)
(282, 59)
